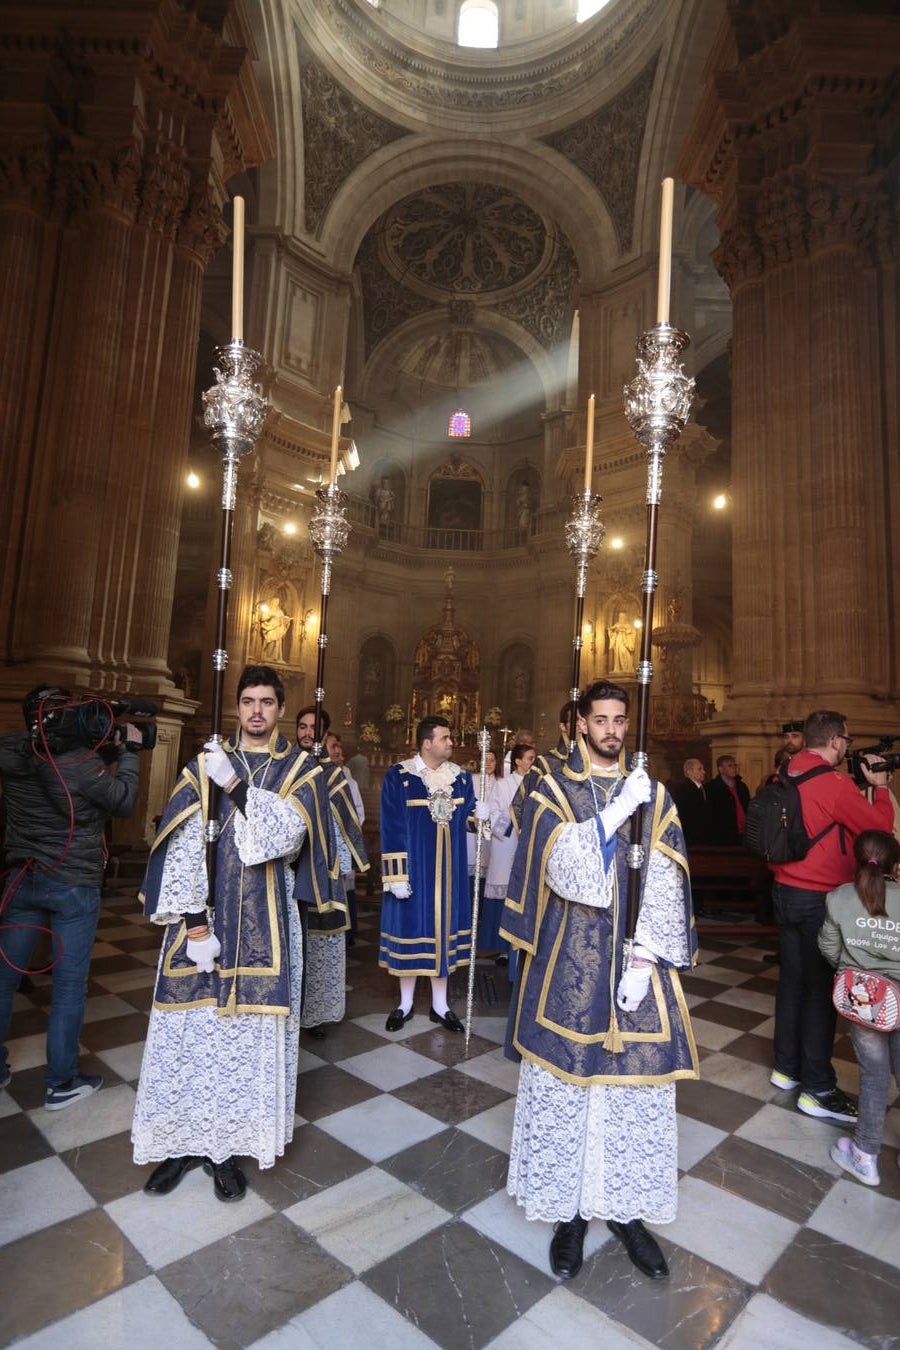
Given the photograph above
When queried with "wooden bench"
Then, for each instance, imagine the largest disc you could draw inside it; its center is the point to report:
(730, 879)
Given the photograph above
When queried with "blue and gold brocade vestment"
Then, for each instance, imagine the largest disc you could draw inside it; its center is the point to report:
(564, 1017)
(252, 972)
(334, 918)
(423, 843)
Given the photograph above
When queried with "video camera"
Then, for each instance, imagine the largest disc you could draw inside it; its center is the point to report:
(887, 761)
(57, 720)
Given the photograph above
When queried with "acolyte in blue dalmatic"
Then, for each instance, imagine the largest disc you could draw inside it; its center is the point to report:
(565, 1017)
(425, 815)
(252, 973)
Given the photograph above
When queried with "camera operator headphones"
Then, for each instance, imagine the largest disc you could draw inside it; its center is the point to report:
(44, 706)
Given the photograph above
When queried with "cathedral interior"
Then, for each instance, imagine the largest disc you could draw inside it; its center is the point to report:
(453, 214)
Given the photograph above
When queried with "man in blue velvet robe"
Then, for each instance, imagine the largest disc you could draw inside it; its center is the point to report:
(219, 1074)
(603, 1032)
(427, 806)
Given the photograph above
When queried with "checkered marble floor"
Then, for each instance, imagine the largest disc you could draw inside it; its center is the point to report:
(387, 1223)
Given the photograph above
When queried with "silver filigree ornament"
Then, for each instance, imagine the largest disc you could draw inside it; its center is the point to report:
(658, 399)
(584, 533)
(440, 804)
(329, 529)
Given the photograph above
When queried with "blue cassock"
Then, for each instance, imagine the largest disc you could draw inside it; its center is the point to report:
(563, 1016)
(431, 932)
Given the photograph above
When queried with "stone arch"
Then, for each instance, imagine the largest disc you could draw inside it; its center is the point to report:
(540, 175)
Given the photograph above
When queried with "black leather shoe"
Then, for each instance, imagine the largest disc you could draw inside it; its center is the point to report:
(567, 1247)
(642, 1248)
(449, 1020)
(397, 1019)
(317, 1033)
(229, 1182)
(167, 1176)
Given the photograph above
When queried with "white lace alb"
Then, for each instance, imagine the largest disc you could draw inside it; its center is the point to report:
(605, 1152)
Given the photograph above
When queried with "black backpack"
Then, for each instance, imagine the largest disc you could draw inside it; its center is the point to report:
(773, 828)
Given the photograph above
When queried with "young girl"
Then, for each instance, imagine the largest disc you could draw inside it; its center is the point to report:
(862, 931)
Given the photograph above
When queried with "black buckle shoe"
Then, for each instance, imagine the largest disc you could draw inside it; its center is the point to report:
(397, 1019)
(567, 1247)
(448, 1020)
(642, 1248)
(229, 1182)
(317, 1033)
(166, 1177)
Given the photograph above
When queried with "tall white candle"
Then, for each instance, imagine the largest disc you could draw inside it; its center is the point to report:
(335, 433)
(589, 446)
(237, 279)
(663, 293)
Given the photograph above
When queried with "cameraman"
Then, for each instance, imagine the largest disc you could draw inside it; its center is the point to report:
(58, 794)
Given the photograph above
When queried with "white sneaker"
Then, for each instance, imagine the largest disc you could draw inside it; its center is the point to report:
(863, 1166)
(783, 1081)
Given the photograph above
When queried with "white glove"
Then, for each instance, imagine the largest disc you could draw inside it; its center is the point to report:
(217, 764)
(204, 953)
(401, 890)
(633, 987)
(635, 793)
(482, 811)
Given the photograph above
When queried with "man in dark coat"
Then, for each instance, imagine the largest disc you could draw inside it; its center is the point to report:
(728, 797)
(693, 808)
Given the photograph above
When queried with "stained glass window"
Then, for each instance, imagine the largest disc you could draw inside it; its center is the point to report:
(460, 423)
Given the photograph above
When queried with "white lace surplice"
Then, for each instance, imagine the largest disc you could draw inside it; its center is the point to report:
(326, 978)
(602, 1151)
(210, 1084)
(217, 1086)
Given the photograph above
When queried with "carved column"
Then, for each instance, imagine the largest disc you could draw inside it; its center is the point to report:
(112, 160)
(792, 141)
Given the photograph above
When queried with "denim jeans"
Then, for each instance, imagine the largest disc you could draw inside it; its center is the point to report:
(804, 1014)
(71, 913)
(876, 1053)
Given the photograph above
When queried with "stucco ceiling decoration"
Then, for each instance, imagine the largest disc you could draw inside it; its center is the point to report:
(458, 360)
(464, 238)
(339, 133)
(606, 147)
(435, 76)
(461, 250)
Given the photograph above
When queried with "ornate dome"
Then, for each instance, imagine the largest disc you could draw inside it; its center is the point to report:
(464, 238)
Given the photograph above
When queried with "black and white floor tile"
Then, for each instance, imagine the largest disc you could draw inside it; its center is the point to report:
(387, 1223)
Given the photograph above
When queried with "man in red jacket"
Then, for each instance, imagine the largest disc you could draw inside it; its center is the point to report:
(835, 810)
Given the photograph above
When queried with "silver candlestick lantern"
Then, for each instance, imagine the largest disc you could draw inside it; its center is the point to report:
(329, 531)
(234, 411)
(584, 535)
(657, 406)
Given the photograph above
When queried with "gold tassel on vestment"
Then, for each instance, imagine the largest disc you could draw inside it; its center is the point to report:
(231, 1006)
(613, 1041)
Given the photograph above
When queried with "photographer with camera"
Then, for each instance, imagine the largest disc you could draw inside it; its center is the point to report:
(58, 794)
(834, 811)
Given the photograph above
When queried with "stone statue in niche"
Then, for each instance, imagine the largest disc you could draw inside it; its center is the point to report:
(372, 675)
(385, 504)
(622, 640)
(524, 508)
(520, 684)
(274, 626)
